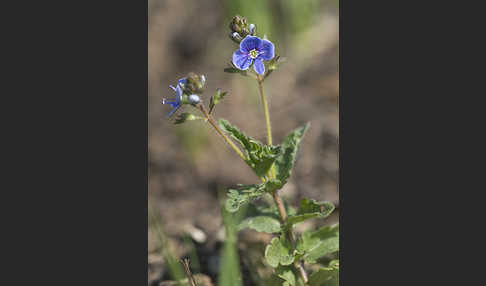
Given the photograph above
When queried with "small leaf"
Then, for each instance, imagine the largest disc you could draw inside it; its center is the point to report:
(286, 159)
(234, 69)
(246, 193)
(326, 276)
(235, 200)
(274, 64)
(315, 244)
(286, 273)
(310, 209)
(278, 252)
(231, 70)
(260, 157)
(215, 99)
(183, 117)
(261, 223)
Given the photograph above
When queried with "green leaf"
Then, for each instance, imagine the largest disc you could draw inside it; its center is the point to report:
(259, 156)
(246, 193)
(286, 273)
(310, 209)
(279, 252)
(274, 64)
(286, 159)
(262, 224)
(326, 276)
(235, 200)
(315, 244)
(216, 98)
(232, 70)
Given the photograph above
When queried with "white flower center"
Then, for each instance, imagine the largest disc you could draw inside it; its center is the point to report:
(253, 54)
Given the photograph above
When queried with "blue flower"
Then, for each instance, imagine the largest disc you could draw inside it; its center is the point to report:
(253, 50)
(177, 101)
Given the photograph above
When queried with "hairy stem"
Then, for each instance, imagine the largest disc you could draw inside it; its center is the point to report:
(276, 196)
(267, 118)
(225, 137)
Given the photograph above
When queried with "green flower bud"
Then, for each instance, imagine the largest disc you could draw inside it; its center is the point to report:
(194, 84)
(240, 28)
(238, 24)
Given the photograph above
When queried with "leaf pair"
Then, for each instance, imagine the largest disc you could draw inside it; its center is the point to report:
(259, 156)
(311, 246)
(268, 220)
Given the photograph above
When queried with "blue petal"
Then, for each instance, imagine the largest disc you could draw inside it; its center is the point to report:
(172, 111)
(259, 66)
(178, 93)
(267, 50)
(241, 60)
(250, 43)
(182, 82)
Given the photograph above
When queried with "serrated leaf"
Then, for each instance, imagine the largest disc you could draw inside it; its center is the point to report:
(235, 200)
(259, 156)
(216, 98)
(262, 224)
(286, 273)
(246, 193)
(278, 252)
(285, 161)
(326, 276)
(310, 209)
(315, 244)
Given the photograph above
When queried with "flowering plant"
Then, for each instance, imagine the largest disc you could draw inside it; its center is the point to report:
(287, 253)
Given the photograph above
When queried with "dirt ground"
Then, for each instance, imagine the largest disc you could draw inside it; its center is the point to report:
(189, 163)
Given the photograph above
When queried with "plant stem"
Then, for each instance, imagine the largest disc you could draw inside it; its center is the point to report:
(276, 196)
(220, 132)
(267, 118)
(225, 137)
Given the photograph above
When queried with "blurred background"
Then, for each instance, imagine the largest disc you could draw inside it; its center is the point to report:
(190, 167)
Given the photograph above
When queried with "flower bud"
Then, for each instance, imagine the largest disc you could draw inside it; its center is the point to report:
(235, 37)
(194, 83)
(193, 99)
(240, 28)
(238, 24)
(252, 29)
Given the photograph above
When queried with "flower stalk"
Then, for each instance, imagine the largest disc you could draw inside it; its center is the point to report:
(213, 123)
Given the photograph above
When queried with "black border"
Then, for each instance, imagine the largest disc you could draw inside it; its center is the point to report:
(76, 200)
